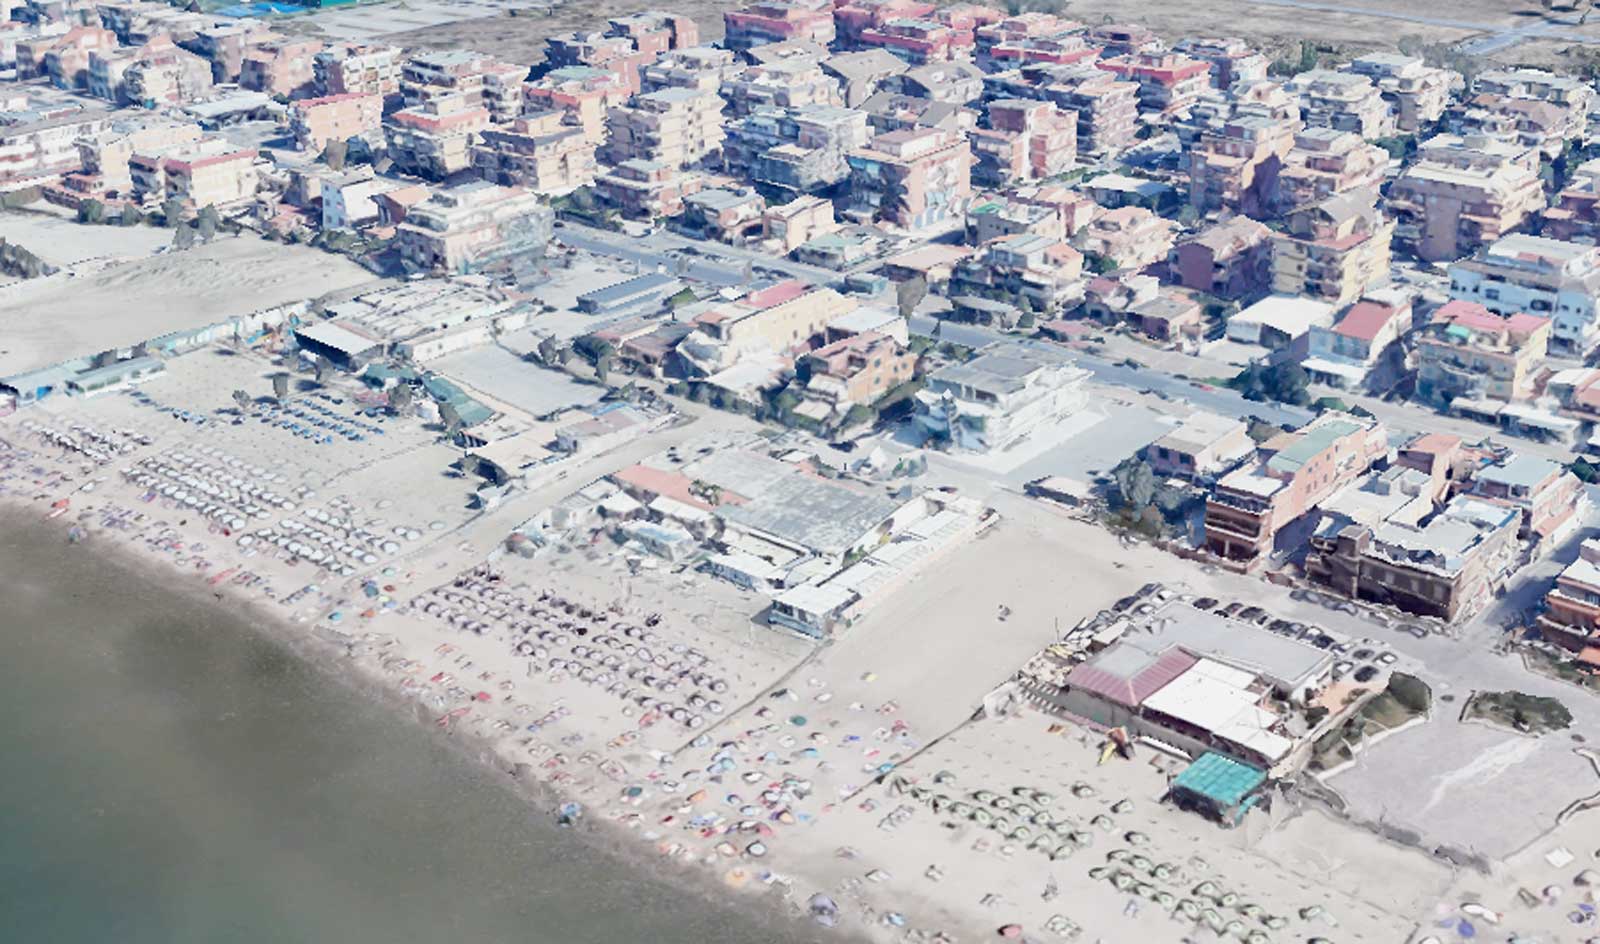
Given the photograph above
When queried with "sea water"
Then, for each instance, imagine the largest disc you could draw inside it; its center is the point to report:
(173, 775)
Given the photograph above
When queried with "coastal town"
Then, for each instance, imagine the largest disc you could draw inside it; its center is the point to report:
(956, 471)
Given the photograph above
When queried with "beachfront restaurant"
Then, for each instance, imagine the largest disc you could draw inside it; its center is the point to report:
(1218, 787)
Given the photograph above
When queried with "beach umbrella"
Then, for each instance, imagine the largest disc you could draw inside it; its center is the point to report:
(1010, 930)
(798, 720)
(982, 816)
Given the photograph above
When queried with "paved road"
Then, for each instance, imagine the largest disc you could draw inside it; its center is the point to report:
(714, 264)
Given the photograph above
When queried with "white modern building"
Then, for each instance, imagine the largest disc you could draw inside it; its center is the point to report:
(1002, 396)
(1545, 277)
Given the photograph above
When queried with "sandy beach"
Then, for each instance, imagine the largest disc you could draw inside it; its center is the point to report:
(724, 750)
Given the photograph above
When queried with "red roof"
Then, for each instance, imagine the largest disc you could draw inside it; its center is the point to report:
(1474, 316)
(1364, 320)
(784, 291)
(1130, 690)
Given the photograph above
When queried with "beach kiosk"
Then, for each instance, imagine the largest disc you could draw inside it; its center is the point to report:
(1219, 787)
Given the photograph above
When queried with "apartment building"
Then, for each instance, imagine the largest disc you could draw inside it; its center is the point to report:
(1034, 24)
(225, 45)
(1462, 194)
(538, 152)
(1570, 99)
(584, 95)
(1232, 60)
(317, 121)
(1107, 107)
(656, 31)
(776, 21)
(1416, 92)
(1007, 393)
(1236, 169)
(798, 151)
(703, 68)
(1469, 353)
(357, 69)
(919, 41)
(1293, 473)
(782, 84)
(1447, 566)
(595, 49)
(1548, 499)
(647, 190)
(1129, 237)
(913, 179)
(209, 172)
(852, 18)
(473, 228)
(65, 58)
(956, 83)
(1546, 277)
(46, 147)
(1345, 354)
(461, 75)
(857, 370)
(1343, 101)
(1040, 210)
(862, 75)
(1026, 140)
(434, 139)
(1032, 273)
(1575, 217)
(280, 67)
(1061, 49)
(139, 21)
(720, 215)
(1202, 446)
(152, 75)
(675, 126)
(1231, 259)
(1571, 616)
(1122, 39)
(791, 225)
(774, 320)
(1169, 82)
(1326, 163)
(104, 154)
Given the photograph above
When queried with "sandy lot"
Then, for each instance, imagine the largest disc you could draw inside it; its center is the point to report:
(45, 321)
(487, 25)
(63, 243)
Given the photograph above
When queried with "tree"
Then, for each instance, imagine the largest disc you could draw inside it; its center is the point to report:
(171, 212)
(1027, 321)
(602, 368)
(324, 371)
(92, 212)
(909, 294)
(280, 387)
(130, 215)
(1136, 482)
(183, 236)
(550, 352)
(241, 400)
(334, 154)
(207, 222)
(400, 399)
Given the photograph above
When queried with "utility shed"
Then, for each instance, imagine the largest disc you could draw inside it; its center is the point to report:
(1219, 787)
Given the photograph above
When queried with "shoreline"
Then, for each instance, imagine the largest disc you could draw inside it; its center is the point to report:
(357, 666)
